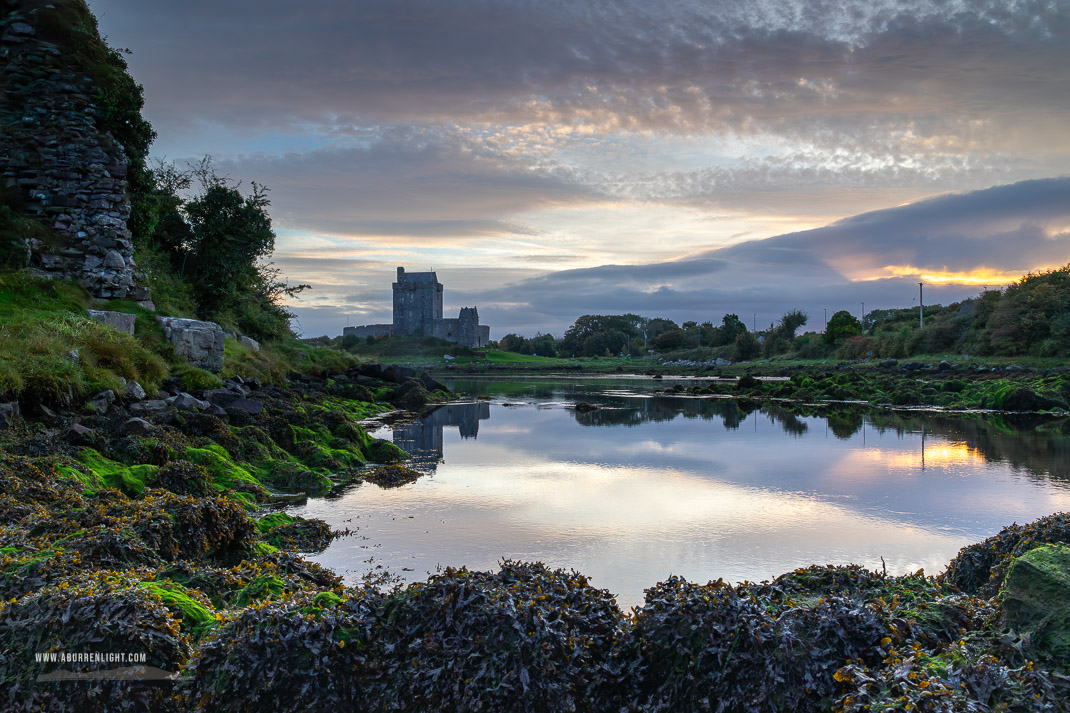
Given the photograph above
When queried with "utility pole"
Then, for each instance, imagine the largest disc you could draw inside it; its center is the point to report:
(863, 318)
(921, 306)
(826, 319)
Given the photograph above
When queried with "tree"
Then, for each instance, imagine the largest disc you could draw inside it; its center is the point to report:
(745, 346)
(230, 233)
(731, 327)
(841, 326)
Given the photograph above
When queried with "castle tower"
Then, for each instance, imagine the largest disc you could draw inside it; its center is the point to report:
(417, 302)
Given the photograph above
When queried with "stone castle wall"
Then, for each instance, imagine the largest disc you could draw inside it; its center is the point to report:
(369, 330)
(58, 167)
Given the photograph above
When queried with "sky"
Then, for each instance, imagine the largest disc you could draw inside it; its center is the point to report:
(553, 158)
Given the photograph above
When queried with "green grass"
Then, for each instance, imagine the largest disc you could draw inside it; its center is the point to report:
(43, 324)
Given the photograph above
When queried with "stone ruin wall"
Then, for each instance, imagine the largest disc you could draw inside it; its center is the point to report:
(57, 166)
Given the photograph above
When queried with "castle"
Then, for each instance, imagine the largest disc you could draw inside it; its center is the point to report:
(418, 311)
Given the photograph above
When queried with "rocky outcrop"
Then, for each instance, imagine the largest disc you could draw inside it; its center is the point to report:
(1036, 600)
(121, 321)
(56, 165)
(199, 343)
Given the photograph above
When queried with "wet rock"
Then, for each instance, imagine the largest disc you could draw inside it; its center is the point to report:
(1036, 600)
(200, 343)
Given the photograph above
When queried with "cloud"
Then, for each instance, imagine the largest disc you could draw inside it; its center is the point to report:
(1016, 228)
(405, 183)
(936, 73)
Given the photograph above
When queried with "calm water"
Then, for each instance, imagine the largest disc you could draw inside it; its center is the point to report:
(650, 485)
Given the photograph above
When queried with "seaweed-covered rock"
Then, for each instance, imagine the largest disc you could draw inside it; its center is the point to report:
(183, 478)
(980, 568)
(186, 527)
(110, 616)
(523, 639)
(391, 476)
(1035, 600)
(311, 653)
(702, 646)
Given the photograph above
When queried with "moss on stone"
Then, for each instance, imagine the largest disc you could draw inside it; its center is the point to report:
(195, 618)
(1035, 600)
(106, 473)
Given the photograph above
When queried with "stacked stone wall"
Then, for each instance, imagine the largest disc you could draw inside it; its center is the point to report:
(58, 167)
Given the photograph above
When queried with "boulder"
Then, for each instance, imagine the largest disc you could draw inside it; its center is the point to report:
(249, 343)
(200, 343)
(80, 435)
(245, 406)
(186, 402)
(9, 415)
(101, 402)
(1025, 399)
(1035, 600)
(151, 406)
(223, 397)
(136, 426)
(120, 321)
(135, 392)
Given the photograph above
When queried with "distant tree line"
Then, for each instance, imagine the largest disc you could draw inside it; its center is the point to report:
(1028, 317)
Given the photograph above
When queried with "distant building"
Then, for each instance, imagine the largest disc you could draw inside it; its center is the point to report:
(418, 311)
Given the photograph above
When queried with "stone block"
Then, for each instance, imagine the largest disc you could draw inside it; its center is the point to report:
(200, 343)
(121, 321)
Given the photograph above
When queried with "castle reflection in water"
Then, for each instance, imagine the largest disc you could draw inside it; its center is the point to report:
(422, 438)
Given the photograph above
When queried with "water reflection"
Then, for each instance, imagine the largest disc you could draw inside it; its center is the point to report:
(1037, 444)
(422, 438)
(649, 485)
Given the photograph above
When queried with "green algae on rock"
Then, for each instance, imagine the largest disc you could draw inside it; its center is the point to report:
(1035, 601)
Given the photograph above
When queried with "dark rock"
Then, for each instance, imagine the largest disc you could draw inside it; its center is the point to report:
(1023, 399)
(152, 406)
(216, 410)
(186, 402)
(889, 363)
(244, 405)
(223, 397)
(136, 426)
(79, 435)
(102, 401)
(9, 415)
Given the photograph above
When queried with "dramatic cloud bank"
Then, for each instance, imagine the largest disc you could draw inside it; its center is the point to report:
(519, 146)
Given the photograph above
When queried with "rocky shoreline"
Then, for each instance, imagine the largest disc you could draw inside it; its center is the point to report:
(156, 531)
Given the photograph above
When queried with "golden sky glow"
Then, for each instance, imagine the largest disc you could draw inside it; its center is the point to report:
(978, 276)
